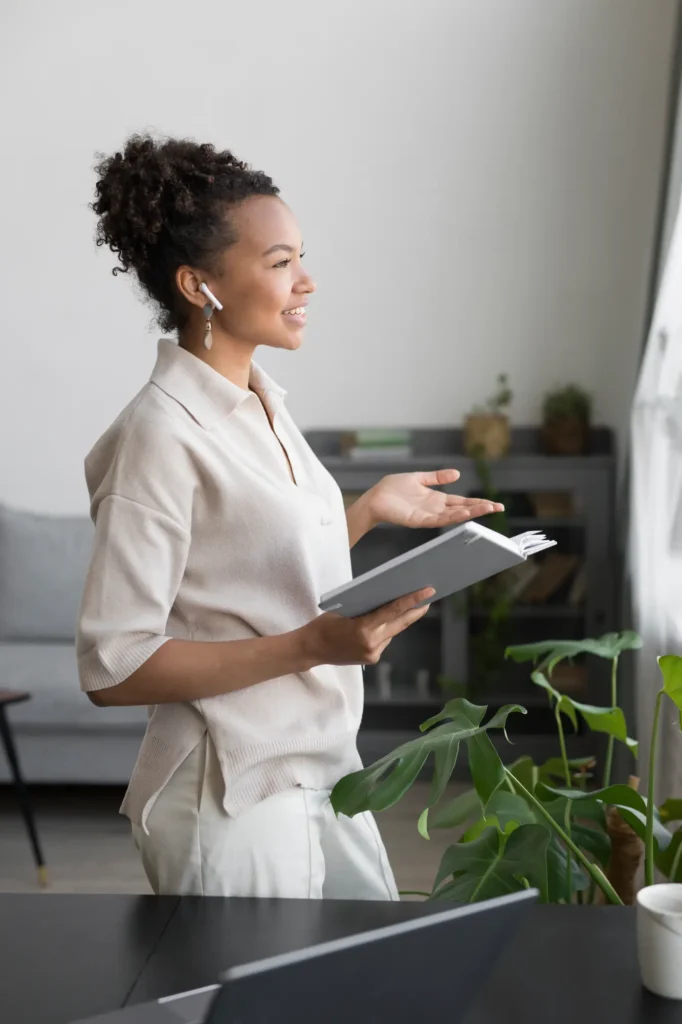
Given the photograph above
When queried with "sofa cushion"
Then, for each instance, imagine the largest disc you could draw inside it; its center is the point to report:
(49, 673)
(43, 562)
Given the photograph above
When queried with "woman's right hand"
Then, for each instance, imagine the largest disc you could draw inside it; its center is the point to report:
(333, 639)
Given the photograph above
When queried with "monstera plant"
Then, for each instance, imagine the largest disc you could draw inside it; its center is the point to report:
(547, 826)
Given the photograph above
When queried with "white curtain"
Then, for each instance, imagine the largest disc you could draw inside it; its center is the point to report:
(655, 548)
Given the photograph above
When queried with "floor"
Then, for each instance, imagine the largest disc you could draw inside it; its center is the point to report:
(88, 848)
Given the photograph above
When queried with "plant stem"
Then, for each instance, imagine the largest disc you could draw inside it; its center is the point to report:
(562, 745)
(414, 892)
(614, 702)
(567, 814)
(569, 858)
(596, 873)
(649, 834)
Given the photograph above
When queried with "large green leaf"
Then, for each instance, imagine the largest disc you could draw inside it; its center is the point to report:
(553, 768)
(472, 713)
(509, 811)
(557, 873)
(494, 865)
(669, 861)
(526, 771)
(670, 810)
(631, 804)
(671, 668)
(594, 841)
(609, 646)
(383, 783)
(598, 719)
(455, 812)
(487, 770)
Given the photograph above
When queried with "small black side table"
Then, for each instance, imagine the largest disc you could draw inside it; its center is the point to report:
(8, 697)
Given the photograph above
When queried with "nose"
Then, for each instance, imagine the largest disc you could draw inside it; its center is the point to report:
(305, 283)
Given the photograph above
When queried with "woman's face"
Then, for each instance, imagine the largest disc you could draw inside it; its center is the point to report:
(261, 281)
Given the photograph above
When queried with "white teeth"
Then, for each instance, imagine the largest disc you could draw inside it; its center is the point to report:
(295, 312)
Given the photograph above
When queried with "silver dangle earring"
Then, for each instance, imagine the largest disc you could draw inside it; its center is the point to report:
(208, 332)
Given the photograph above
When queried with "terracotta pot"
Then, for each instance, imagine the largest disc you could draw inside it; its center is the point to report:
(566, 435)
(486, 434)
(571, 679)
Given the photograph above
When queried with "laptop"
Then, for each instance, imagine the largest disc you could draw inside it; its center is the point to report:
(390, 974)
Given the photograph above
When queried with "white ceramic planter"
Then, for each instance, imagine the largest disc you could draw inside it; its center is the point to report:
(659, 939)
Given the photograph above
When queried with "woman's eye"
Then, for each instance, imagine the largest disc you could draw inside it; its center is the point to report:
(285, 262)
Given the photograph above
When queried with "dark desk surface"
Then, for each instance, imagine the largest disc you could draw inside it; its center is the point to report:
(65, 957)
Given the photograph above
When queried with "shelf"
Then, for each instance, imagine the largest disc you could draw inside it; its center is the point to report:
(514, 522)
(403, 696)
(540, 611)
(547, 522)
(498, 700)
(407, 696)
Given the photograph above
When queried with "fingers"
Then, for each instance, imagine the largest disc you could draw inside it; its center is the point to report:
(396, 626)
(439, 477)
(457, 501)
(387, 631)
(397, 608)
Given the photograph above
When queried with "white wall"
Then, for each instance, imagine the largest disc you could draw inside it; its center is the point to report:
(476, 180)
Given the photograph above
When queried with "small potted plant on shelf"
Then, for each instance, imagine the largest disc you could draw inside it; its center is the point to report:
(486, 428)
(566, 421)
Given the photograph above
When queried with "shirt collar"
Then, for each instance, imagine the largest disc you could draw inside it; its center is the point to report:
(201, 390)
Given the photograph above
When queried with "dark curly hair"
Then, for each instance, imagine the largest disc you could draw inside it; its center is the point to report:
(164, 204)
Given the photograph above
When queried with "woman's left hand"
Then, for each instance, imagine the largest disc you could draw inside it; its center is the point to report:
(407, 499)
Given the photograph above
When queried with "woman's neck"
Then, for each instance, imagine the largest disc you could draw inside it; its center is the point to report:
(226, 357)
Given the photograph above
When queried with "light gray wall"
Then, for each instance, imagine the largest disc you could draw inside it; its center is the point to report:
(476, 181)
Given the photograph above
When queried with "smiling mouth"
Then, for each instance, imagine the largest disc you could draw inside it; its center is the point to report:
(298, 311)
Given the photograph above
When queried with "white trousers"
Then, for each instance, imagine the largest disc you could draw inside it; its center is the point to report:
(289, 845)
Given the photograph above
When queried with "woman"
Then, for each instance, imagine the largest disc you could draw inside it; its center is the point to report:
(217, 530)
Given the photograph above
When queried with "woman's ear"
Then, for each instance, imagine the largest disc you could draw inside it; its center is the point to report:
(187, 281)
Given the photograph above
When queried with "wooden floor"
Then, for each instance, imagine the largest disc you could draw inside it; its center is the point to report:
(88, 847)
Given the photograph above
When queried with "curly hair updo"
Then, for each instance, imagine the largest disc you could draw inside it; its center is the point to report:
(164, 204)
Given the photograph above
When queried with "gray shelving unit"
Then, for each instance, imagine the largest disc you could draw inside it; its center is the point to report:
(442, 641)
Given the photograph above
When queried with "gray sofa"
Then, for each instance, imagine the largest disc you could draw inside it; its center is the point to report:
(61, 737)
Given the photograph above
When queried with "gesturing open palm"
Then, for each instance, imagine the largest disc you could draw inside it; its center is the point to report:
(408, 499)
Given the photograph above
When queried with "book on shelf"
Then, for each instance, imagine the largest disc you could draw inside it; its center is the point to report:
(377, 443)
(553, 504)
(578, 592)
(382, 454)
(553, 573)
(512, 582)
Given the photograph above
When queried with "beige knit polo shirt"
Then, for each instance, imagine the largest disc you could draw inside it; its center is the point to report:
(201, 534)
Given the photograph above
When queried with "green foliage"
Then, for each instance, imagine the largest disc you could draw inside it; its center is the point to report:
(598, 719)
(388, 779)
(669, 861)
(494, 864)
(671, 669)
(670, 810)
(631, 804)
(521, 824)
(551, 652)
(567, 402)
(499, 401)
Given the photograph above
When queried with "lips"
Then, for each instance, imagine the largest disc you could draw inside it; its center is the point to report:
(296, 311)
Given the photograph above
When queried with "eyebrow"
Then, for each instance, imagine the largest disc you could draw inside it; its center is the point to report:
(281, 246)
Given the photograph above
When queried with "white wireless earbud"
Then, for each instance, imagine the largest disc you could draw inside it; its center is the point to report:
(210, 296)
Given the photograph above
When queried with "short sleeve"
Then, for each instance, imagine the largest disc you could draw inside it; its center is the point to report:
(137, 565)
